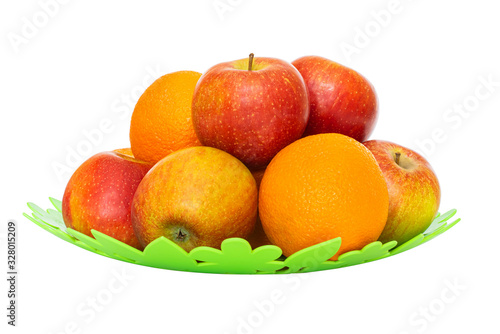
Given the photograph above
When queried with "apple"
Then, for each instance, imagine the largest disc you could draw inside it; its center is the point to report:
(258, 237)
(341, 100)
(250, 108)
(414, 192)
(99, 195)
(196, 196)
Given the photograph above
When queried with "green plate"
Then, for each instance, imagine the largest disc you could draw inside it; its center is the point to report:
(236, 256)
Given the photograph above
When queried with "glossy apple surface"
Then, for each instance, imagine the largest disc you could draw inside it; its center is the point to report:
(197, 196)
(414, 191)
(341, 100)
(99, 195)
(251, 114)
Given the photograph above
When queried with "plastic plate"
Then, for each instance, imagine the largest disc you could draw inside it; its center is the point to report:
(236, 255)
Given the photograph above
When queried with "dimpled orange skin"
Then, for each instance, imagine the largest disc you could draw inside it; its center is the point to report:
(322, 187)
(204, 192)
(161, 121)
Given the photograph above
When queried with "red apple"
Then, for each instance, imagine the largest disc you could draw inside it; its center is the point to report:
(197, 196)
(99, 195)
(341, 100)
(414, 192)
(250, 108)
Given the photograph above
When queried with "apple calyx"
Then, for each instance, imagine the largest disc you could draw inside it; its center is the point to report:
(250, 61)
(181, 235)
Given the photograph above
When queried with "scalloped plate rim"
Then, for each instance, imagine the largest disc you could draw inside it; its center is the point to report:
(440, 226)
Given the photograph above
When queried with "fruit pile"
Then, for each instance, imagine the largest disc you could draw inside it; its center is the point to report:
(260, 149)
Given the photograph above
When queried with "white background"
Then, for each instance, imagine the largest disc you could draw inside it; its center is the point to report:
(84, 60)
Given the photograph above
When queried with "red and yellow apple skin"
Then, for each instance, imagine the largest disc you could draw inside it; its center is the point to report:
(196, 196)
(414, 192)
(251, 114)
(341, 100)
(99, 195)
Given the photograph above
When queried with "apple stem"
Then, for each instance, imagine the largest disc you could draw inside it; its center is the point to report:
(397, 154)
(250, 61)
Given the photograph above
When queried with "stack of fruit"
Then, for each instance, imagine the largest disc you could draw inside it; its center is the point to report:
(260, 149)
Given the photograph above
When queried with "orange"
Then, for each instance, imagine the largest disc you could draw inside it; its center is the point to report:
(127, 151)
(161, 121)
(321, 187)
